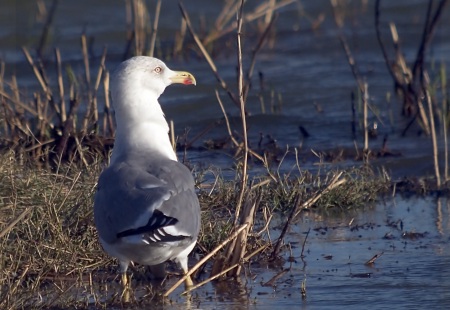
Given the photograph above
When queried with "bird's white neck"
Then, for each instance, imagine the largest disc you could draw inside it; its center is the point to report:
(141, 127)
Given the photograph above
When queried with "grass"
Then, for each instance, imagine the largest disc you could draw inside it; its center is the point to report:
(53, 250)
(55, 238)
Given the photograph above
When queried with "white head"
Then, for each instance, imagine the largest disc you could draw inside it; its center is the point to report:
(145, 74)
(135, 88)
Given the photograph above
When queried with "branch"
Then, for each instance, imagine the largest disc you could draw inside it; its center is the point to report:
(428, 33)
(208, 58)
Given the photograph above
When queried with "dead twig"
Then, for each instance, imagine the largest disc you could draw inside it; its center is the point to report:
(425, 82)
(365, 122)
(204, 259)
(44, 36)
(335, 182)
(409, 80)
(62, 103)
(304, 243)
(271, 282)
(244, 175)
(373, 259)
(255, 51)
(277, 247)
(151, 51)
(14, 222)
(427, 35)
(230, 12)
(245, 259)
(208, 58)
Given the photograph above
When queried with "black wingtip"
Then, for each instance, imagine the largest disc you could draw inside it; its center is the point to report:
(157, 220)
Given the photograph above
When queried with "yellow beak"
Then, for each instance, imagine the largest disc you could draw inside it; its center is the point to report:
(183, 77)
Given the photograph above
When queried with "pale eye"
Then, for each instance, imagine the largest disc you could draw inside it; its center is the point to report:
(157, 70)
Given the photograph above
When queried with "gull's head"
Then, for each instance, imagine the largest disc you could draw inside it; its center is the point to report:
(135, 87)
(142, 73)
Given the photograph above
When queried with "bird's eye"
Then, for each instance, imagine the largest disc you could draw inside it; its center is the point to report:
(157, 70)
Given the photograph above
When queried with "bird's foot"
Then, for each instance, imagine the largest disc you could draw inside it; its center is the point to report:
(126, 288)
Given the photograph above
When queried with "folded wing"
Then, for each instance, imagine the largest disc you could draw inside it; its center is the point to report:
(145, 206)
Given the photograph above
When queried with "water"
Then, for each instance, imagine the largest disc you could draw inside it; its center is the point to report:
(410, 273)
(411, 237)
(308, 69)
(305, 66)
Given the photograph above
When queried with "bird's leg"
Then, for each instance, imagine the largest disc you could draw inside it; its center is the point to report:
(126, 284)
(188, 283)
(183, 263)
(126, 288)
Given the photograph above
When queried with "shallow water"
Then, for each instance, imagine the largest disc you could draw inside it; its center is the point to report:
(411, 237)
(306, 67)
(413, 272)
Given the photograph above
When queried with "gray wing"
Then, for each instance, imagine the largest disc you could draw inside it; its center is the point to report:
(148, 202)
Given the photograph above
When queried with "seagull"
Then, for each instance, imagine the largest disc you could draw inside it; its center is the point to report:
(146, 210)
